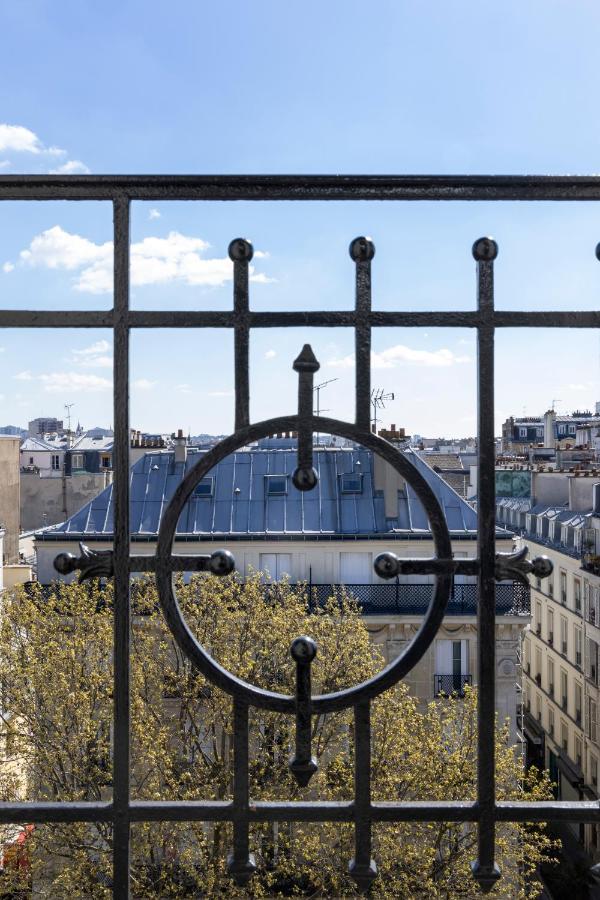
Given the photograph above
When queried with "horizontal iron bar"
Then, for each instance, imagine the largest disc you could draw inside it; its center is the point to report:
(68, 811)
(300, 187)
(323, 811)
(22, 318)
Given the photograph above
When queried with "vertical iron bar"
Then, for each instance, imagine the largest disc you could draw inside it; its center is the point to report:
(241, 252)
(362, 868)
(484, 868)
(240, 862)
(303, 765)
(121, 712)
(362, 251)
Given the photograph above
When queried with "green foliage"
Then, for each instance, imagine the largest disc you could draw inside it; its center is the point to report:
(56, 670)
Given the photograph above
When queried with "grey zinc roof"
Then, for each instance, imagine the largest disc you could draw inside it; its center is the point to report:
(240, 504)
(36, 445)
(90, 442)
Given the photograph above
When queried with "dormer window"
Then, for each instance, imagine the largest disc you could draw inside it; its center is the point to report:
(352, 483)
(276, 485)
(205, 488)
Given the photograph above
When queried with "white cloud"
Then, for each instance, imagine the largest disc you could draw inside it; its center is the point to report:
(402, 355)
(8, 267)
(270, 354)
(55, 382)
(18, 139)
(261, 254)
(220, 393)
(94, 356)
(143, 384)
(93, 350)
(153, 214)
(71, 167)
(154, 260)
(183, 388)
(5, 163)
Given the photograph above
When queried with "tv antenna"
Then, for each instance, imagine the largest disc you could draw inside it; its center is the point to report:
(554, 402)
(317, 389)
(68, 409)
(378, 400)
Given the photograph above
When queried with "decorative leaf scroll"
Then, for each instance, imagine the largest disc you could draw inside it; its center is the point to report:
(517, 567)
(91, 563)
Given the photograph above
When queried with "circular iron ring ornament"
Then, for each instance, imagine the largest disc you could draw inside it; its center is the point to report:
(230, 683)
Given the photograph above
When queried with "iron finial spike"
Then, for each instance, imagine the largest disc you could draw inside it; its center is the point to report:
(305, 477)
(306, 361)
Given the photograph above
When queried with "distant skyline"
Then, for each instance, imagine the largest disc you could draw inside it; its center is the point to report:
(192, 88)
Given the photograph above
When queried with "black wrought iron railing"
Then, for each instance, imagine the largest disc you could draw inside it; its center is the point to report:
(444, 685)
(360, 317)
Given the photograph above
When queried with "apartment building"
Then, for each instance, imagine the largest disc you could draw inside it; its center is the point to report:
(322, 539)
(560, 649)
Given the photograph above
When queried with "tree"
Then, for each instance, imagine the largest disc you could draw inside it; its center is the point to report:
(55, 667)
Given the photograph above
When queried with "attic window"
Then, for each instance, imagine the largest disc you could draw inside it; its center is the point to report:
(205, 488)
(352, 483)
(276, 485)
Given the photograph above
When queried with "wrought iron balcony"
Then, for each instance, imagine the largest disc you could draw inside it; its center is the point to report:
(413, 599)
(444, 685)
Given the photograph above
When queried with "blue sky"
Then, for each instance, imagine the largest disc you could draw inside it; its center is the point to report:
(398, 87)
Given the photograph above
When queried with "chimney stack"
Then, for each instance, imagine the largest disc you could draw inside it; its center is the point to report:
(180, 445)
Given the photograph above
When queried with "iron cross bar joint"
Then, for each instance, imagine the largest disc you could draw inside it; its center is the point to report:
(509, 566)
(100, 563)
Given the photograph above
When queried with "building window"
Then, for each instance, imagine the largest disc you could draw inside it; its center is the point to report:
(205, 488)
(564, 690)
(592, 661)
(538, 665)
(77, 461)
(106, 462)
(561, 429)
(577, 594)
(563, 588)
(594, 770)
(31, 460)
(275, 566)
(563, 636)
(55, 462)
(452, 667)
(572, 429)
(526, 654)
(538, 707)
(564, 735)
(592, 728)
(550, 634)
(578, 752)
(578, 702)
(351, 483)
(538, 617)
(550, 721)
(577, 635)
(551, 677)
(276, 485)
(523, 432)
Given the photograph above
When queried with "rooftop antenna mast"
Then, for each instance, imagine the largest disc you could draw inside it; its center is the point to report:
(378, 401)
(554, 402)
(68, 409)
(317, 389)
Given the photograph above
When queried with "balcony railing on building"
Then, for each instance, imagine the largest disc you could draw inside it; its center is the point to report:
(444, 685)
(413, 599)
